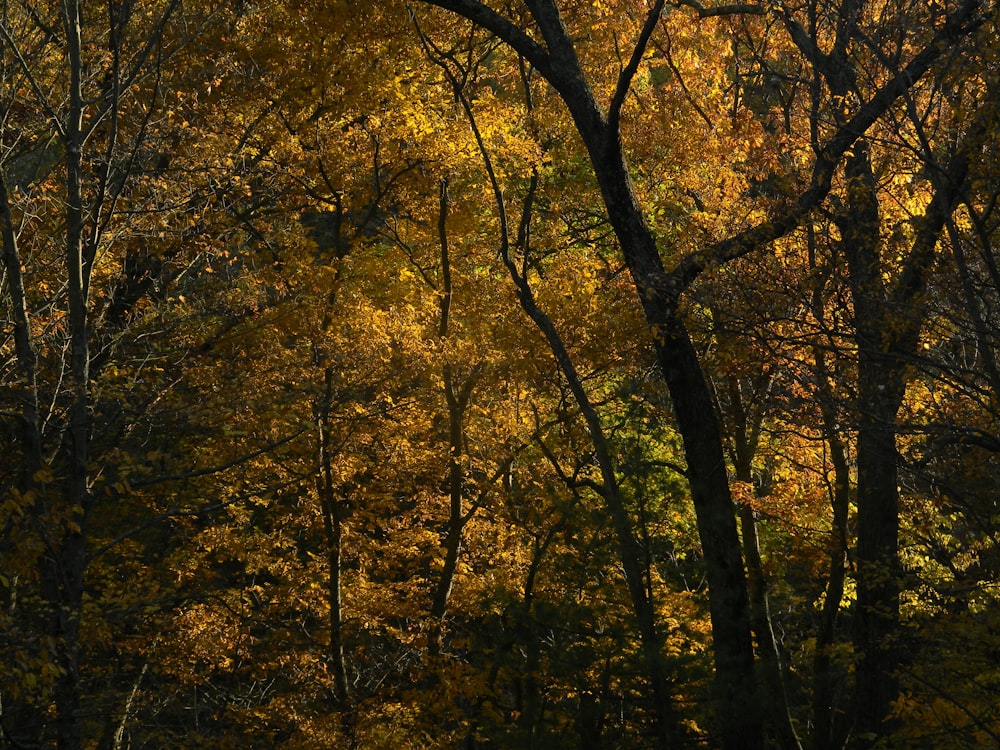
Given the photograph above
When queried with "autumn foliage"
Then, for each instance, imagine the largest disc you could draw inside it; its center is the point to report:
(549, 374)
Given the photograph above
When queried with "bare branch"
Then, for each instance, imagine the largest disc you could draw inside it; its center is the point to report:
(43, 100)
(723, 10)
(492, 21)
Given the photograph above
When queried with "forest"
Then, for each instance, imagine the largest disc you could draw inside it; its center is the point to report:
(500, 374)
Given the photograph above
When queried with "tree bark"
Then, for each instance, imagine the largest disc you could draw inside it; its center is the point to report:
(887, 324)
(333, 528)
(63, 566)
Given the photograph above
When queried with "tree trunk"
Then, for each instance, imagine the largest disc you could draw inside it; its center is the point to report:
(63, 566)
(879, 398)
(737, 707)
(333, 528)
(458, 400)
(878, 569)
(828, 732)
(746, 426)
(887, 324)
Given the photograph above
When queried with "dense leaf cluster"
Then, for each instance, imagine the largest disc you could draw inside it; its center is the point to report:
(463, 374)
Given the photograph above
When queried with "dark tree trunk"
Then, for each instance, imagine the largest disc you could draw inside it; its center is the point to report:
(737, 709)
(878, 569)
(62, 567)
(457, 398)
(458, 401)
(829, 732)
(879, 396)
(333, 519)
(887, 328)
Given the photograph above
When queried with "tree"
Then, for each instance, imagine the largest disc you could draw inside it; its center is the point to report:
(85, 144)
(504, 382)
(554, 55)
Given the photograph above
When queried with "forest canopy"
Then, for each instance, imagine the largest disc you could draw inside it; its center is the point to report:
(478, 374)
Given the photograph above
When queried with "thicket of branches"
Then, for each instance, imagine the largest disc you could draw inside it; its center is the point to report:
(451, 374)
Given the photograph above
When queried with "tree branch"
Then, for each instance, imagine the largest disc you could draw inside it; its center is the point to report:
(628, 73)
(963, 23)
(723, 10)
(492, 21)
